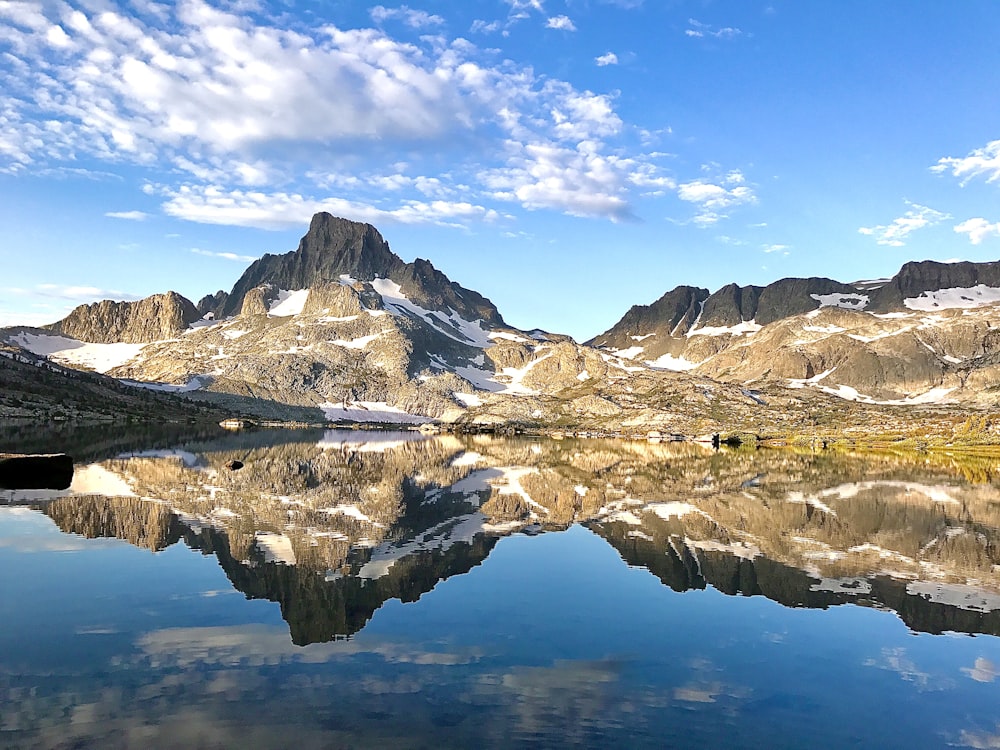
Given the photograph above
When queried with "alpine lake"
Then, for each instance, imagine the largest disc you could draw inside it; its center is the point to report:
(355, 589)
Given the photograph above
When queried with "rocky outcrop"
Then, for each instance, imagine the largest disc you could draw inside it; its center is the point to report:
(917, 277)
(212, 303)
(155, 318)
(674, 312)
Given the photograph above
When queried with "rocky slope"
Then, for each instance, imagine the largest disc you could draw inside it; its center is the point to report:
(927, 335)
(36, 391)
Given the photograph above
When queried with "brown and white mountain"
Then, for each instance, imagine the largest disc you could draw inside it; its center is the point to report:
(343, 329)
(931, 333)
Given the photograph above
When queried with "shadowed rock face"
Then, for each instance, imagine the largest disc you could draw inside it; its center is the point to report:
(917, 277)
(161, 316)
(335, 247)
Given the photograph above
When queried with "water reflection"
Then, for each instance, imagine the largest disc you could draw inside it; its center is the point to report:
(331, 525)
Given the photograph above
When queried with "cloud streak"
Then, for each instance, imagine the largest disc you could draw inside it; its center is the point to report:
(981, 162)
(898, 231)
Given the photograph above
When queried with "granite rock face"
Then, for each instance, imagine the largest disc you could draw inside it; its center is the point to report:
(161, 316)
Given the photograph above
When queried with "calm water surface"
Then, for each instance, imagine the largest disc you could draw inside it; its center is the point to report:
(394, 590)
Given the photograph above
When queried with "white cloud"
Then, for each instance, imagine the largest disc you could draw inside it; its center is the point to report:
(978, 229)
(983, 161)
(277, 210)
(609, 58)
(699, 30)
(896, 233)
(783, 249)
(224, 256)
(579, 181)
(563, 23)
(715, 198)
(236, 106)
(417, 19)
(128, 215)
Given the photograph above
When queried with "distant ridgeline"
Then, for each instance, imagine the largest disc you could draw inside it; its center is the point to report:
(343, 329)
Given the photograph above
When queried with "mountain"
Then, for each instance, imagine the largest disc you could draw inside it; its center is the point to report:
(926, 335)
(343, 329)
(338, 250)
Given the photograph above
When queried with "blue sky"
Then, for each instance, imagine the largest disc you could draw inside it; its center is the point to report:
(566, 158)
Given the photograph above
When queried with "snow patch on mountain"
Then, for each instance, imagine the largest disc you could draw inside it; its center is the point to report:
(452, 325)
(955, 595)
(366, 441)
(370, 411)
(361, 342)
(744, 328)
(843, 300)
(195, 383)
(94, 479)
(288, 303)
(277, 548)
(933, 396)
(954, 298)
(97, 357)
(672, 363)
(630, 353)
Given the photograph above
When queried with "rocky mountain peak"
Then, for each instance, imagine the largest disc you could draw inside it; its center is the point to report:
(161, 316)
(334, 249)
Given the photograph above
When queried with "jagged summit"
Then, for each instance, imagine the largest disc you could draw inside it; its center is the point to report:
(337, 249)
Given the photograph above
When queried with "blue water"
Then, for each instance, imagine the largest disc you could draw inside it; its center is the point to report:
(552, 640)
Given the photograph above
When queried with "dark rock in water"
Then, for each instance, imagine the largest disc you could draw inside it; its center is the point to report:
(35, 472)
(234, 465)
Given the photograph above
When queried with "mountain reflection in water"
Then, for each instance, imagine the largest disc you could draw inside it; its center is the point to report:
(331, 525)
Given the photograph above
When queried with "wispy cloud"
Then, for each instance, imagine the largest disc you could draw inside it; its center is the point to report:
(563, 23)
(978, 229)
(609, 58)
(77, 293)
(128, 215)
(895, 233)
(982, 162)
(224, 256)
(700, 30)
(783, 249)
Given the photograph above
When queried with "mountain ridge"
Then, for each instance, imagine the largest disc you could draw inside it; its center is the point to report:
(342, 327)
